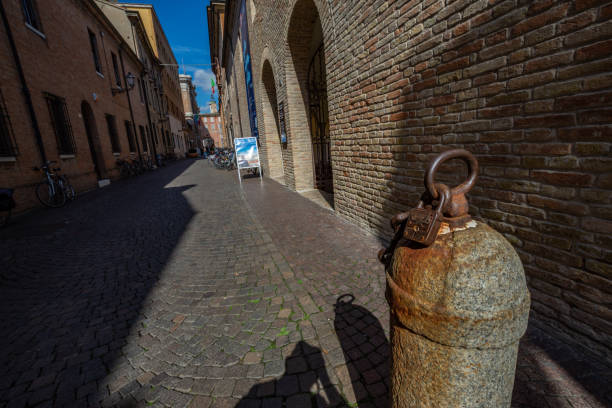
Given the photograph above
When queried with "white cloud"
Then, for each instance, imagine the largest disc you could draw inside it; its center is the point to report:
(201, 79)
(183, 49)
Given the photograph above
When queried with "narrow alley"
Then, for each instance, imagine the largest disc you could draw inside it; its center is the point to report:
(184, 288)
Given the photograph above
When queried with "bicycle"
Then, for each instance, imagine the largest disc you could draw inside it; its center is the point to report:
(68, 189)
(125, 169)
(7, 203)
(51, 191)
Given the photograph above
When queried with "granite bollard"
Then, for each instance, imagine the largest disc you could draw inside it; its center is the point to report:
(458, 307)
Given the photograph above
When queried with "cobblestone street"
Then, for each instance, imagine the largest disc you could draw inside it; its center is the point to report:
(181, 288)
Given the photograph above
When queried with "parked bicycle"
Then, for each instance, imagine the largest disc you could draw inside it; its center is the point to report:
(7, 203)
(126, 168)
(55, 188)
(223, 160)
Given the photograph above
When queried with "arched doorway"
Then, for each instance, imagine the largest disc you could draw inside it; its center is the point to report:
(319, 122)
(271, 124)
(93, 140)
(307, 99)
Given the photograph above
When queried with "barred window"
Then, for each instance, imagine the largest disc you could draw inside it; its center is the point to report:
(61, 124)
(94, 51)
(143, 138)
(155, 135)
(116, 69)
(140, 90)
(32, 17)
(130, 136)
(8, 147)
(111, 122)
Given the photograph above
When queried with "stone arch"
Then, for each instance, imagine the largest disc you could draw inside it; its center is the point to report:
(271, 126)
(304, 37)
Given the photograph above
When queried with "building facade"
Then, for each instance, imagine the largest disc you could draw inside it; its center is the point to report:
(215, 13)
(214, 126)
(355, 98)
(171, 107)
(190, 106)
(66, 95)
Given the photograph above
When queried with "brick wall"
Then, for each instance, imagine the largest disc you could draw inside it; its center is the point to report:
(525, 85)
(269, 123)
(61, 63)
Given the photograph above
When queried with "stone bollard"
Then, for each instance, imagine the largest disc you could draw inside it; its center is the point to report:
(458, 300)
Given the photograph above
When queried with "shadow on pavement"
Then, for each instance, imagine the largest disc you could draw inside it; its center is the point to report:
(305, 383)
(366, 351)
(73, 283)
(551, 373)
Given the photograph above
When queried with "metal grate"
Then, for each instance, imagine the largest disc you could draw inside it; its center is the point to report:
(319, 121)
(8, 147)
(61, 124)
(130, 136)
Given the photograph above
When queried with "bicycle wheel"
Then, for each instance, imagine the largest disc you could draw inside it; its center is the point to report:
(50, 195)
(69, 190)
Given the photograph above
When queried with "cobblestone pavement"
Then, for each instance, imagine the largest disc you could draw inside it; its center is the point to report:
(178, 288)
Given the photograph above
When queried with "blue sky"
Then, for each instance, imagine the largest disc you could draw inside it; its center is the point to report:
(186, 27)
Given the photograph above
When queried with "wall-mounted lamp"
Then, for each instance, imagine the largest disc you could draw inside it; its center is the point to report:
(129, 80)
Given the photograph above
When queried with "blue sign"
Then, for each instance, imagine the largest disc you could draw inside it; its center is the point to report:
(247, 154)
(248, 76)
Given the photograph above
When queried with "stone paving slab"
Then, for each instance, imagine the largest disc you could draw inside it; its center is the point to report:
(179, 288)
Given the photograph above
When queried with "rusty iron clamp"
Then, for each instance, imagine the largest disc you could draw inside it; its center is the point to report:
(452, 207)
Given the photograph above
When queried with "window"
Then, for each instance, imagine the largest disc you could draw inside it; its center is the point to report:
(112, 132)
(94, 51)
(31, 14)
(140, 90)
(130, 136)
(61, 124)
(143, 138)
(8, 148)
(116, 68)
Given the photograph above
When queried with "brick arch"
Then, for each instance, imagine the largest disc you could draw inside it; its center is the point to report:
(271, 145)
(304, 28)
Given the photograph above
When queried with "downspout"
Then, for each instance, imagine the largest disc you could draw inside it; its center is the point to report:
(25, 89)
(152, 142)
(127, 94)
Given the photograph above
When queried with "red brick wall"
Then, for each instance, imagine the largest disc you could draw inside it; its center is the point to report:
(214, 128)
(525, 85)
(62, 64)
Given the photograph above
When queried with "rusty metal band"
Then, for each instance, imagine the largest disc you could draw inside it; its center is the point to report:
(457, 328)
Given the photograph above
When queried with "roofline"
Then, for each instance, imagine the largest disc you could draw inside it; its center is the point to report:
(163, 32)
(99, 14)
(133, 14)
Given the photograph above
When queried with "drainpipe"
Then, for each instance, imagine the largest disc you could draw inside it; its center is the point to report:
(152, 141)
(127, 94)
(25, 89)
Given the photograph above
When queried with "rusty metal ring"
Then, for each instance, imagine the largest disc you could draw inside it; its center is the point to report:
(462, 188)
(445, 197)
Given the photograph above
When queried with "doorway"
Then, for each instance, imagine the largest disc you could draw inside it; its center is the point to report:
(271, 121)
(306, 89)
(93, 140)
(319, 122)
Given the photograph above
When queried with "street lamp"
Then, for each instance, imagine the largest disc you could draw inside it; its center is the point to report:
(129, 81)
